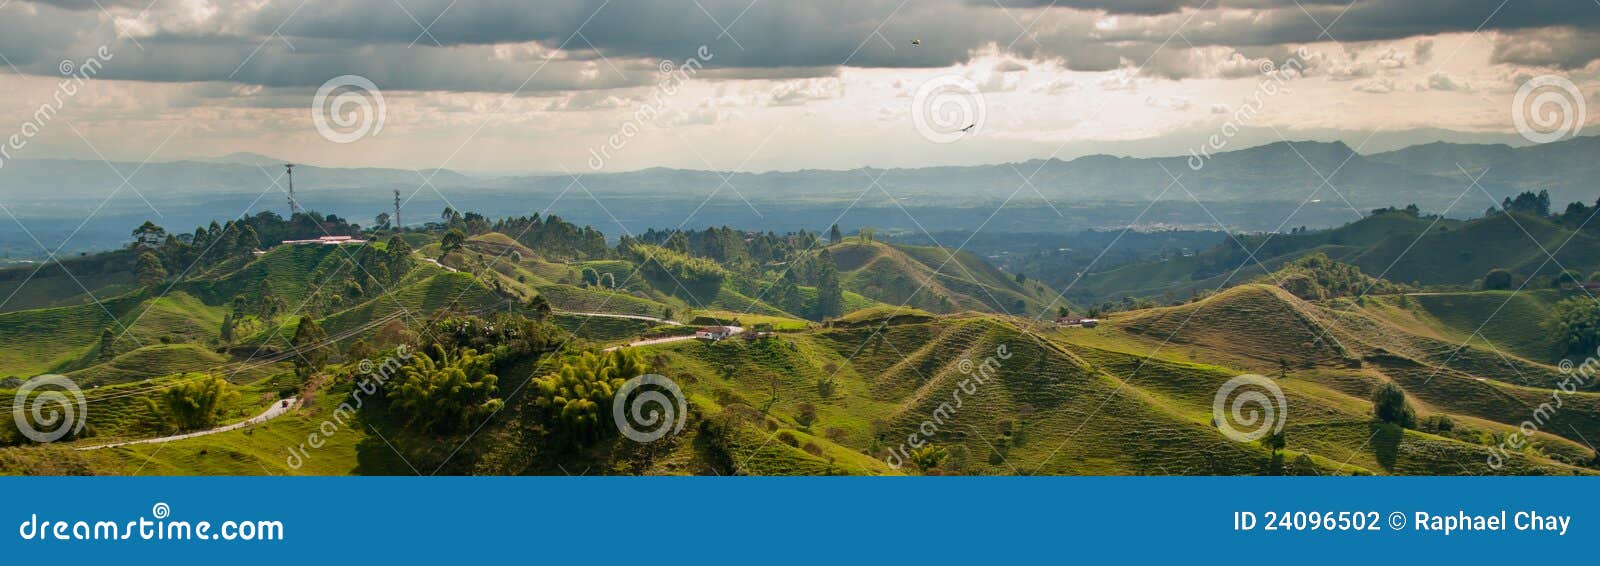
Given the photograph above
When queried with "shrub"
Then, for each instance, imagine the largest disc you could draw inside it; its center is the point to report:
(192, 405)
(1497, 279)
(929, 457)
(789, 438)
(576, 399)
(1389, 406)
(444, 392)
(1575, 326)
(805, 414)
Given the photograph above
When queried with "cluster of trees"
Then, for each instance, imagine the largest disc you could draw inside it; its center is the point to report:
(552, 236)
(692, 278)
(1411, 210)
(1538, 204)
(588, 277)
(1528, 203)
(192, 404)
(1499, 279)
(1317, 277)
(740, 251)
(509, 338)
(445, 391)
(1575, 326)
(575, 401)
(160, 254)
(471, 223)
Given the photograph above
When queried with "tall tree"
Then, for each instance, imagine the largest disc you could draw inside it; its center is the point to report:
(311, 355)
(540, 307)
(108, 344)
(249, 240)
(830, 297)
(1389, 406)
(452, 241)
(397, 256)
(834, 235)
(148, 236)
(148, 269)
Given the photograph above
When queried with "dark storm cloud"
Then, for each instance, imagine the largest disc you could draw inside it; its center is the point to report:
(295, 43)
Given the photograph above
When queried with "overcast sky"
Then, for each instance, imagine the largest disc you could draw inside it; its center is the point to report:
(508, 85)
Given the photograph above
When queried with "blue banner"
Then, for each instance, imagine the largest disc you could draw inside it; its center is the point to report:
(260, 520)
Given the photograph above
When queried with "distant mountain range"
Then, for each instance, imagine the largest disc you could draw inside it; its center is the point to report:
(1432, 175)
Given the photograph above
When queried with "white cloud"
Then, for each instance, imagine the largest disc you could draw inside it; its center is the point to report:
(800, 92)
(1057, 86)
(1376, 85)
(1440, 80)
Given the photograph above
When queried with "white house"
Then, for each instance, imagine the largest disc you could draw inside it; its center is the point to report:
(326, 241)
(1068, 321)
(713, 333)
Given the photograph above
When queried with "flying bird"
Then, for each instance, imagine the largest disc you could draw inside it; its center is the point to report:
(969, 128)
(916, 42)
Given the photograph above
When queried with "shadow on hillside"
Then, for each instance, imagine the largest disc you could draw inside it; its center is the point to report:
(1386, 440)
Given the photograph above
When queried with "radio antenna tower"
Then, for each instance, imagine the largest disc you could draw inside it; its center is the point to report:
(294, 206)
(398, 225)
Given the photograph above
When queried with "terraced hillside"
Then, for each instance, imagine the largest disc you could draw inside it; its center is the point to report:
(934, 279)
(925, 363)
(1398, 246)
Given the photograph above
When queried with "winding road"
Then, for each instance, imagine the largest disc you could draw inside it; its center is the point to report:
(666, 340)
(627, 316)
(277, 409)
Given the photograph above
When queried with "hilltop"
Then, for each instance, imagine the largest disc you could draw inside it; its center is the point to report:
(1394, 245)
(858, 357)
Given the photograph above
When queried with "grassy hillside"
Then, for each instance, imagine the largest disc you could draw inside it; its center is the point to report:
(924, 372)
(1398, 246)
(933, 279)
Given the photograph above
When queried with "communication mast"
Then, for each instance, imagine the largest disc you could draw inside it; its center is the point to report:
(398, 225)
(294, 206)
